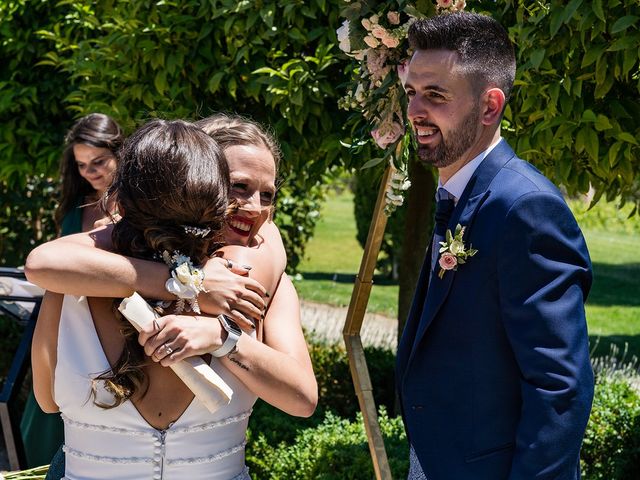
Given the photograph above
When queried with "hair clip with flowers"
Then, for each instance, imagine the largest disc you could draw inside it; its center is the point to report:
(196, 231)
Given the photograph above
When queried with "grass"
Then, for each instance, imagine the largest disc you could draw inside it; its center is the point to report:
(332, 260)
(613, 310)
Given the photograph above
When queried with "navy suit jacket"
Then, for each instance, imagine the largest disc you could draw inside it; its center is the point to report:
(493, 366)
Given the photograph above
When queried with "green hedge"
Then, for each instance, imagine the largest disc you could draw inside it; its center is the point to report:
(336, 449)
(332, 444)
(26, 217)
(611, 447)
(335, 392)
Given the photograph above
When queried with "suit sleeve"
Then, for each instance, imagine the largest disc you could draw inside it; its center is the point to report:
(544, 275)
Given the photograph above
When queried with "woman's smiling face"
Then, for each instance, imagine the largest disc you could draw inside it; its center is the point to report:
(252, 170)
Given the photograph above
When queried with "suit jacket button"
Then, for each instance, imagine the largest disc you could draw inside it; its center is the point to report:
(416, 407)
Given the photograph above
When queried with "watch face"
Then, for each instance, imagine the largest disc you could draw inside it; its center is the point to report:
(230, 325)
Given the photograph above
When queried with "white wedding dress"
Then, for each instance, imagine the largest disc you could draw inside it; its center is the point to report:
(118, 443)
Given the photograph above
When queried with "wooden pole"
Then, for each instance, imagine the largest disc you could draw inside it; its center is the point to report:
(353, 325)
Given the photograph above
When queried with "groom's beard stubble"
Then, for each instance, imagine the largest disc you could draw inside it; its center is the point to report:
(458, 140)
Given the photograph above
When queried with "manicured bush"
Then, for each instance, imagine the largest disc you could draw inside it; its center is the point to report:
(611, 447)
(336, 393)
(331, 444)
(335, 450)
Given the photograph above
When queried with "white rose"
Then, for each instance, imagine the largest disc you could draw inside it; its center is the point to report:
(179, 290)
(456, 247)
(182, 273)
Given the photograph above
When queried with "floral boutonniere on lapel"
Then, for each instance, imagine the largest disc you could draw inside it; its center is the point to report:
(453, 251)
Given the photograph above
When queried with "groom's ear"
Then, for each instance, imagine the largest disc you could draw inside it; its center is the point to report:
(492, 102)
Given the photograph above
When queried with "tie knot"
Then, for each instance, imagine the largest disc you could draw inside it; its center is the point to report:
(443, 194)
(444, 209)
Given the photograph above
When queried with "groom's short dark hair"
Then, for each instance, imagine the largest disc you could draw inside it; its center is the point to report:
(483, 46)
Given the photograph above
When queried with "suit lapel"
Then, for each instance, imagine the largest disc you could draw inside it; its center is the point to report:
(415, 313)
(474, 195)
(439, 288)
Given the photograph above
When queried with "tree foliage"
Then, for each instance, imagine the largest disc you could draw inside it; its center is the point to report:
(271, 60)
(576, 104)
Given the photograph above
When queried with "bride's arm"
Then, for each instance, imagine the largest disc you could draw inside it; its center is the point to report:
(80, 265)
(279, 370)
(44, 351)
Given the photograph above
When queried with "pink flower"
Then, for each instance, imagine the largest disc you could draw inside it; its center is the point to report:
(394, 18)
(448, 261)
(403, 71)
(371, 41)
(444, 3)
(386, 135)
(390, 41)
(379, 32)
(366, 24)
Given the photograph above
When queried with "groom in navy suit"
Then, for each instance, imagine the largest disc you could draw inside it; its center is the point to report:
(493, 367)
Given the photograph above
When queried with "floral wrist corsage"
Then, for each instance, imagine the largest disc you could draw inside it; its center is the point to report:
(453, 251)
(186, 281)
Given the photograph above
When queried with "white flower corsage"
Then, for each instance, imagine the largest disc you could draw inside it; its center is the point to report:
(453, 252)
(186, 281)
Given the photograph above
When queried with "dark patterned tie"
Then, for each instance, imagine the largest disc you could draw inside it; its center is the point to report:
(444, 208)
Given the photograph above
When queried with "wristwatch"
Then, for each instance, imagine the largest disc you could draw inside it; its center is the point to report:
(233, 335)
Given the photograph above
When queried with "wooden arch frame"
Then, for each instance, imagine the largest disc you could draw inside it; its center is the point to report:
(353, 325)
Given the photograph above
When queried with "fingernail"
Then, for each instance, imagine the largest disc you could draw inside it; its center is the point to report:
(253, 327)
(267, 294)
(247, 267)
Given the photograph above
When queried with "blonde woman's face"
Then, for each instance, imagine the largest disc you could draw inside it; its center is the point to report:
(95, 165)
(252, 170)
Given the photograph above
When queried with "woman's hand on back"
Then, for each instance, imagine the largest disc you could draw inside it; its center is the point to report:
(232, 292)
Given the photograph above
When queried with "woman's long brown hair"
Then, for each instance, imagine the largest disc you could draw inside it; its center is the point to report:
(96, 130)
(170, 175)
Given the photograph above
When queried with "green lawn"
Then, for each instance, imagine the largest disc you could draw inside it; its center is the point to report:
(613, 310)
(332, 259)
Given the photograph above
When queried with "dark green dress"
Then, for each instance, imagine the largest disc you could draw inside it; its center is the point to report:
(43, 433)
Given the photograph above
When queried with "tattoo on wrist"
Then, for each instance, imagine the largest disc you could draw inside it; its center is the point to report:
(238, 362)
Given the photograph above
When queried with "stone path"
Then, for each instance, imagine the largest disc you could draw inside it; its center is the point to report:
(326, 322)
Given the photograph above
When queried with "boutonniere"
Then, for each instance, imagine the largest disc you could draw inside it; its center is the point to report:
(453, 251)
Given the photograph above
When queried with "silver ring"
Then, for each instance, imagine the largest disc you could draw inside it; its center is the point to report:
(167, 349)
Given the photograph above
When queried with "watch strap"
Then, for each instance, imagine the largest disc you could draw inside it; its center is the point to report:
(230, 342)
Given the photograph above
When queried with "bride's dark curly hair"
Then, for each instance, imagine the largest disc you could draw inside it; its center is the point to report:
(170, 175)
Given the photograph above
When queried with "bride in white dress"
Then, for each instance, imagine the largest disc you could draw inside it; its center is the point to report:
(129, 417)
